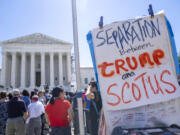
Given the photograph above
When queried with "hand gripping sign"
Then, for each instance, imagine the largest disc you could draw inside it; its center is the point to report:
(134, 63)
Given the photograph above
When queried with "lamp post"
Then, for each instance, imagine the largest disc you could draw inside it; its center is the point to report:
(77, 67)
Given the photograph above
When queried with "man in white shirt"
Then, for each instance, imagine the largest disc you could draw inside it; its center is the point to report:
(35, 109)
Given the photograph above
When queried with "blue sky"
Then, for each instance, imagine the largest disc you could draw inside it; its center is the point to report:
(54, 18)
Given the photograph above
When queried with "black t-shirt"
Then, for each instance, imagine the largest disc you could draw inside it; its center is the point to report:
(16, 108)
(95, 111)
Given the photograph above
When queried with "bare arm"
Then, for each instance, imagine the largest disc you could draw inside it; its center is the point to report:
(71, 113)
(47, 119)
(26, 115)
(88, 96)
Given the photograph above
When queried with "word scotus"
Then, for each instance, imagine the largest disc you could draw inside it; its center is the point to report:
(137, 92)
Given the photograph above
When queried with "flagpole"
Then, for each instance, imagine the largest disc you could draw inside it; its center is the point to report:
(77, 67)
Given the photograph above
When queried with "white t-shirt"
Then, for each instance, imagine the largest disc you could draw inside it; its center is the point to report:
(35, 110)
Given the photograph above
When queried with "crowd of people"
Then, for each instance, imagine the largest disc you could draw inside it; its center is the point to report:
(24, 113)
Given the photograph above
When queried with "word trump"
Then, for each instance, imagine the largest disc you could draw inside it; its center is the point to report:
(143, 59)
(122, 94)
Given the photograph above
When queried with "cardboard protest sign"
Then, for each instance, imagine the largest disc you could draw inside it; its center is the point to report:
(136, 65)
(155, 115)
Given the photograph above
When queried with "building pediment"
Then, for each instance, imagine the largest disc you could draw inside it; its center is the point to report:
(36, 38)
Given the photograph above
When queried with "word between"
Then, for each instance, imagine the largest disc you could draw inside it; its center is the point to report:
(136, 92)
(134, 49)
(120, 64)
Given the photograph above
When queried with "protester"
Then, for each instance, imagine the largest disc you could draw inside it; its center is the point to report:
(84, 93)
(32, 94)
(47, 96)
(3, 112)
(67, 97)
(25, 97)
(75, 111)
(59, 113)
(35, 110)
(95, 107)
(86, 105)
(42, 98)
(10, 96)
(16, 109)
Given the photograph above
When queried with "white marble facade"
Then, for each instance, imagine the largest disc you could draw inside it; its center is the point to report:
(35, 60)
(86, 74)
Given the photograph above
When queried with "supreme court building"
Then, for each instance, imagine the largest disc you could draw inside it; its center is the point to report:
(35, 60)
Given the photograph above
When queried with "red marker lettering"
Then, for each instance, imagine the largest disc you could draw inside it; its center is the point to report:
(113, 94)
(121, 65)
(142, 76)
(158, 54)
(103, 67)
(144, 59)
(129, 63)
(126, 102)
(172, 85)
(133, 92)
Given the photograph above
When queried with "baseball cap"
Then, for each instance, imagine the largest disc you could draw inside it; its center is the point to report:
(35, 97)
(15, 92)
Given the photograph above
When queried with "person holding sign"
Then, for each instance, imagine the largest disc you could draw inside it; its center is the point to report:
(95, 107)
(136, 65)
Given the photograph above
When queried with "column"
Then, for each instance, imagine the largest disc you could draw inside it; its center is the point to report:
(51, 69)
(60, 70)
(42, 69)
(3, 71)
(32, 73)
(23, 63)
(13, 70)
(69, 67)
